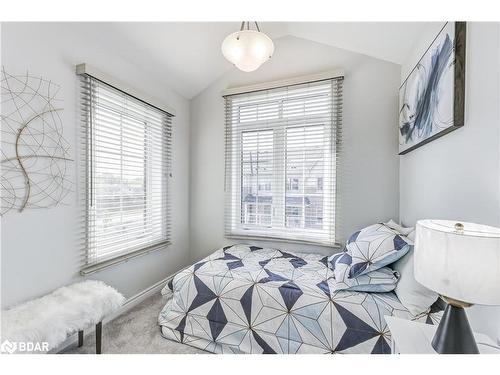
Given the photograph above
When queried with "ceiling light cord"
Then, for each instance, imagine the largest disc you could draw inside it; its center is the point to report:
(247, 23)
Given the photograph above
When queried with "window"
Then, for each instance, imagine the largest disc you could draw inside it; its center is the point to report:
(126, 163)
(281, 155)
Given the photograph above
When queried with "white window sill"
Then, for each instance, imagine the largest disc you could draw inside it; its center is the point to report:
(109, 262)
(279, 236)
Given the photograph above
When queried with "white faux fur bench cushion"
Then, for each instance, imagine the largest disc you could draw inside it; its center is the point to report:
(52, 318)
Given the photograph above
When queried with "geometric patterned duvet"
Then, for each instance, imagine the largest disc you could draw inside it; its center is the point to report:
(248, 299)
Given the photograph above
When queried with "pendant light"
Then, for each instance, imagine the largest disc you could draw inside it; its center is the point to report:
(247, 49)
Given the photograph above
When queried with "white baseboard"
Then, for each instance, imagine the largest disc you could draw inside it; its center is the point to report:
(129, 304)
(138, 298)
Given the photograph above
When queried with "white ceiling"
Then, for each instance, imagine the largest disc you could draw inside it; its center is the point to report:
(186, 56)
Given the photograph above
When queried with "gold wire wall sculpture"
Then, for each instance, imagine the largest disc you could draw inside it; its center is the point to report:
(35, 156)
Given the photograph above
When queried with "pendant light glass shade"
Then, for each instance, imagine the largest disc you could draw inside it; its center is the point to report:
(247, 49)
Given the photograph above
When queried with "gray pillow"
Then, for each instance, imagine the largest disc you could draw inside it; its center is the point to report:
(414, 296)
(382, 280)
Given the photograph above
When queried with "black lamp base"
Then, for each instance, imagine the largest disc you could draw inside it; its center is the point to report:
(454, 335)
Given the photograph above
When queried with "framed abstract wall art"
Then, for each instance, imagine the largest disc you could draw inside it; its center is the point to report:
(432, 98)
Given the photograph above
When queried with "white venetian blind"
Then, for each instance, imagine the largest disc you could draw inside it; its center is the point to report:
(281, 154)
(125, 162)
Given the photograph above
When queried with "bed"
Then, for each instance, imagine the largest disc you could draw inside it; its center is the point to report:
(249, 299)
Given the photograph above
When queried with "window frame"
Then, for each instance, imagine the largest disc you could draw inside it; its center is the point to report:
(93, 263)
(234, 182)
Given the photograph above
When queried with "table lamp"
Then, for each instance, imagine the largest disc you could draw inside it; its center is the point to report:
(461, 262)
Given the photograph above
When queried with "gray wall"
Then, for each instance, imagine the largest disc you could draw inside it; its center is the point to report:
(457, 176)
(368, 189)
(39, 248)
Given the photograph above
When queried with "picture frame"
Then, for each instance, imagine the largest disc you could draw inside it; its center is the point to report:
(432, 97)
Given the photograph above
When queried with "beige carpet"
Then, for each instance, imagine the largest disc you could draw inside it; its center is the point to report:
(135, 332)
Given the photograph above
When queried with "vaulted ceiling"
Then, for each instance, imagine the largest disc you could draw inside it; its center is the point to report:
(187, 56)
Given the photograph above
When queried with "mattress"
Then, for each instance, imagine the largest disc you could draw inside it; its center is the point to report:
(249, 299)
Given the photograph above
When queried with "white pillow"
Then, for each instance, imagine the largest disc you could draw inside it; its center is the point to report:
(369, 249)
(414, 296)
(408, 232)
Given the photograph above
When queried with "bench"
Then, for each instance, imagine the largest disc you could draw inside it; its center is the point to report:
(49, 320)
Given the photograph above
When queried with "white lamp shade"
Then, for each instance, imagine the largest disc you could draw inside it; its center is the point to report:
(460, 264)
(247, 49)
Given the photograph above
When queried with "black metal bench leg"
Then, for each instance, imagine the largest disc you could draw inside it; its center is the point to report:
(80, 338)
(98, 338)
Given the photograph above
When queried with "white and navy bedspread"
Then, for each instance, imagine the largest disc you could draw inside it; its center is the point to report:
(247, 299)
